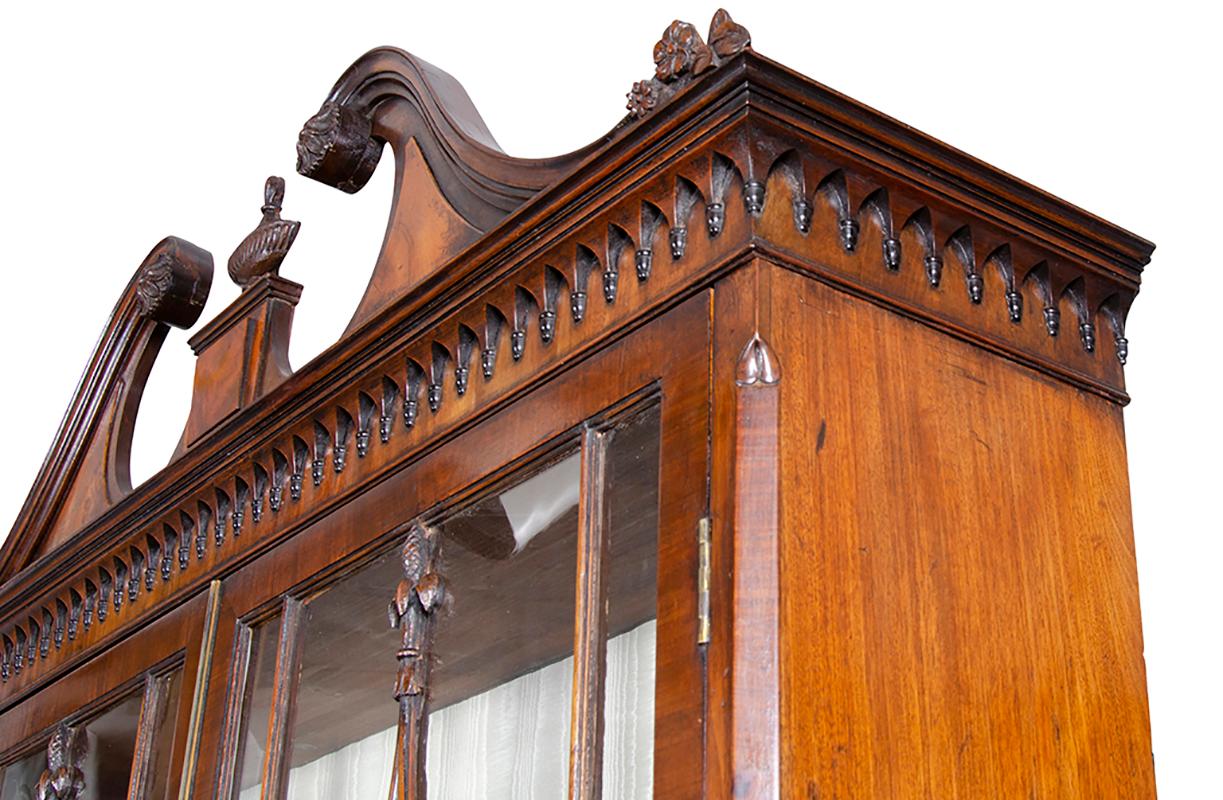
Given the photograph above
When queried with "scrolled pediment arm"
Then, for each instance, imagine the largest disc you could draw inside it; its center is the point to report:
(87, 469)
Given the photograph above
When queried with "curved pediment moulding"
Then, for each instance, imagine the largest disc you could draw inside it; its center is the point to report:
(744, 162)
(452, 181)
(87, 469)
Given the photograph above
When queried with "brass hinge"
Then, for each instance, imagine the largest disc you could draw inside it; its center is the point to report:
(703, 578)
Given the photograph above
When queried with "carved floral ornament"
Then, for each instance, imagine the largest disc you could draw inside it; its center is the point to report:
(153, 283)
(681, 55)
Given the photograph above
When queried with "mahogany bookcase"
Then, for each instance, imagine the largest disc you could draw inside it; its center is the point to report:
(823, 412)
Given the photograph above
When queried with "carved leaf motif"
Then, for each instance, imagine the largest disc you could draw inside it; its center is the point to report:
(403, 599)
(758, 364)
(63, 778)
(727, 37)
(429, 590)
(153, 283)
(317, 137)
(335, 147)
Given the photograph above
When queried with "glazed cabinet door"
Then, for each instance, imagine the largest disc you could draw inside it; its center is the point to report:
(117, 726)
(512, 614)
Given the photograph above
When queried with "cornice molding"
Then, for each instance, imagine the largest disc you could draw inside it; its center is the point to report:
(748, 159)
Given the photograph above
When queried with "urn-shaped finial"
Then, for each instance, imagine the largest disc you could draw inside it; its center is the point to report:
(261, 252)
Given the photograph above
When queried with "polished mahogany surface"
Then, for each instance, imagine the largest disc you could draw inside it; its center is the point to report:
(836, 406)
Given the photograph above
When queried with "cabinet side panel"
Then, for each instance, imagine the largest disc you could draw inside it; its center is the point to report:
(959, 601)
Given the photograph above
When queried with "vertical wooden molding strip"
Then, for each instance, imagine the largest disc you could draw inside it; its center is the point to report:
(232, 729)
(152, 712)
(284, 699)
(421, 592)
(756, 675)
(586, 733)
(195, 728)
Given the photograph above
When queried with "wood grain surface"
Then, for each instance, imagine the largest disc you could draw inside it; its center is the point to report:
(959, 602)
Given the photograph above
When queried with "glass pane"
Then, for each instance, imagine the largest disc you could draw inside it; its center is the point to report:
(256, 707)
(503, 671)
(21, 776)
(163, 739)
(109, 745)
(110, 741)
(343, 740)
(632, 588)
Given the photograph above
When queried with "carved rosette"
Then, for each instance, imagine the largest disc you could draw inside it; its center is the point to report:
(419, 594)
(336, 147)
(63, 778)
(642, 99)
(681, 55)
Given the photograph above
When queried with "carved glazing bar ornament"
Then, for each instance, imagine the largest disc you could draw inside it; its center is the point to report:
(261, 252)
(681, 55)
(419, 594)
(63, 778)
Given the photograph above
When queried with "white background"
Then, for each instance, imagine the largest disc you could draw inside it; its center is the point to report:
(123, 124)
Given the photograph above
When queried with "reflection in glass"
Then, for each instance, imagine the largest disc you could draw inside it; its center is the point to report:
(342, 743)
(503, 672)
(110, 743)
(107, 750)
(21, 776)
(502, 678)
(632, 587)
(256, 707)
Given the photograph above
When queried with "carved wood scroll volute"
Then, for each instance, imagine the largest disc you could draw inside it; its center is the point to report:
(452, 182)
(63, 778)
(419, 594)
(87, 468)
(336, 147)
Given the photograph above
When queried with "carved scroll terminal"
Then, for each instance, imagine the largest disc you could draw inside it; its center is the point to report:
(336, 147)
(87, 469)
